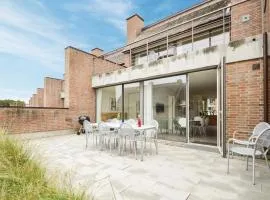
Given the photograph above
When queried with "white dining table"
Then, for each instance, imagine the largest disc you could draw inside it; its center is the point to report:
(141, 130)
(118, 125)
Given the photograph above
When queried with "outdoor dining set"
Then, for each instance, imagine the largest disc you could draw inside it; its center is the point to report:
(115, 134)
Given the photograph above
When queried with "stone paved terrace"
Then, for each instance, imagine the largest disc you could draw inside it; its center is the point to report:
(175, 173)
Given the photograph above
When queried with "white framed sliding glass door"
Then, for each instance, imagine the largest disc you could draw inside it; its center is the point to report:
(203, 107)
(165, 101)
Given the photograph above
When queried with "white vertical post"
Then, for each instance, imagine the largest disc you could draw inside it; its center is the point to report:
(99, 103)
(218, 111)
(148, 101)
(187, 107)
(223, 26)
(141, 100)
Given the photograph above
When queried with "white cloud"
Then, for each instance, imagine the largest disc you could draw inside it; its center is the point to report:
(30, 31)
(114, 12)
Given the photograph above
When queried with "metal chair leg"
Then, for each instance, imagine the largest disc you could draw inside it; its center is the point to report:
(247, 162)
(253, 172)
(228, 157)
(266, 159)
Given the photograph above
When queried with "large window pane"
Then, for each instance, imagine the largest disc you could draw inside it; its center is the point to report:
(203, 107)
(109, 103)
(165, 101)
(131, 100)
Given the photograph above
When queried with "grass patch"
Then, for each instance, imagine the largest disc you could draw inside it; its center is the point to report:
(22, 177)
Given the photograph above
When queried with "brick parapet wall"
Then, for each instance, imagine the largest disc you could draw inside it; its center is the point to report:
(244, 97)
(40, 97)
(35, 100)
(29, 119)
(104, 66)
(52, 92)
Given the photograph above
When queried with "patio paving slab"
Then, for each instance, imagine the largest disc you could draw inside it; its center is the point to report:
(175, 173)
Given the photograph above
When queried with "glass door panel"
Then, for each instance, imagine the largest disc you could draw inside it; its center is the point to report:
(165, 101)
(109, 103)
(131, 101)
(203, 107)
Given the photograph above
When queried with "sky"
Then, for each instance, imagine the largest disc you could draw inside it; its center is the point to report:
(34, 34)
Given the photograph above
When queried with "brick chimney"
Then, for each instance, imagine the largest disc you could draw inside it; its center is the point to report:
(135, 23)
(97, 52)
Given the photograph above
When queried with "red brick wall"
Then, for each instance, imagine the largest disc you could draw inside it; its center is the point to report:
(40, 97)
(52, 91)
(80, 97)
(252, 27)
(34, 100)
(103, 66)
(244, 102)
(27, 120)
(30, 102)
(267, 17)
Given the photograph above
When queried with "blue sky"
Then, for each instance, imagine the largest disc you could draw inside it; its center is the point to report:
(34, 33)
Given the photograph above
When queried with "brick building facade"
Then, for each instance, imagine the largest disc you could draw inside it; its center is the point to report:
(243, 24)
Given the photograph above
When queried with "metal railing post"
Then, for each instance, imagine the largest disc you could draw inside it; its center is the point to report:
(129, 56)
(192, 34)
(167, 43)
(223, 26)
(147, 53)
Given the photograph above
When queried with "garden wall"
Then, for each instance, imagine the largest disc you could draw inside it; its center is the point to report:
(30, 119)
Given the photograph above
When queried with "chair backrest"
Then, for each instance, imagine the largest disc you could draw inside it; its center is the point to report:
(263, 139)
(183, 122)
(176, 123)
(154, 123)
(153, 132)
(199, 119)
(206, 121)
(103, 127)
(126, 130)
(88, 128)
(259, 128)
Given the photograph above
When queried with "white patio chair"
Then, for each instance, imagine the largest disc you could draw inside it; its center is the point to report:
(88, 128)
(250, 142)
(103, 131)
(183, 123)
(151, 135)
(262, 142)
(127, 133)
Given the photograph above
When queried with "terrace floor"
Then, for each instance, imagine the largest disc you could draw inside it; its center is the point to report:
(175, 173)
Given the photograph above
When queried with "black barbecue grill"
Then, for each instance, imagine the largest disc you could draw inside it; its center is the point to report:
(81, 120)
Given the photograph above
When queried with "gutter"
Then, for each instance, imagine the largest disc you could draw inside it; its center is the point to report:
(265, 63)
(265, 76)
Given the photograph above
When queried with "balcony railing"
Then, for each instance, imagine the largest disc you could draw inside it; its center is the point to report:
(214, 26)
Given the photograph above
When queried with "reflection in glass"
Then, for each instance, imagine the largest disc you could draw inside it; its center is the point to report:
(203, 107)
(165, 101)
(109, 103)
(131, 100)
